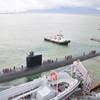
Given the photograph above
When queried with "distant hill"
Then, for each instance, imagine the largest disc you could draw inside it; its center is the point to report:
(79, 10)
(73, 10)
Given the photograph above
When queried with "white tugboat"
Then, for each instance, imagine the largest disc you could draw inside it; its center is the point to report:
(58, 39)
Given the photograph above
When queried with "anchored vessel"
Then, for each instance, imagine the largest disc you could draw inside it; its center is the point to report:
(53, 86)
(58, 39)
(95, 39)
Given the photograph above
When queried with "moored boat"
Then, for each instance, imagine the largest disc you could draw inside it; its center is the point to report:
(54, 86)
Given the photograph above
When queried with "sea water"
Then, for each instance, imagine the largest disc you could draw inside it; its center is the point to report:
(21, 33)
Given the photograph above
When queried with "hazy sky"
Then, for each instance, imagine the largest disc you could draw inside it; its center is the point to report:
(24, 5)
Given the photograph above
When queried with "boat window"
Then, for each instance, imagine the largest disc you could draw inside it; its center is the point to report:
(63, 84)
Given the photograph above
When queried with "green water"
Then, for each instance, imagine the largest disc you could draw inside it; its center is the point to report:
(20, 33)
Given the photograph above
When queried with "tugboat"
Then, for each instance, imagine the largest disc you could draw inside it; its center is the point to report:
(58, 39)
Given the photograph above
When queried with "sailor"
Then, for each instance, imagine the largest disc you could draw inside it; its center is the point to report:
(22, 67)
(45, 80)
(14, 68)
(56, 59)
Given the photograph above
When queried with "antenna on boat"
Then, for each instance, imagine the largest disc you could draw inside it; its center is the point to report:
(60, 31)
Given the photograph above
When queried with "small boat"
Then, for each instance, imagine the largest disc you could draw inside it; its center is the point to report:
(58, 39)
(95, 39)
(53, 86)
(98, 29)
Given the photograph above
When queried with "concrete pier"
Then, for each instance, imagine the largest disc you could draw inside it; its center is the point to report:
(45, 67)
